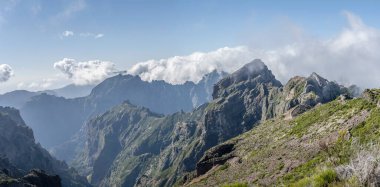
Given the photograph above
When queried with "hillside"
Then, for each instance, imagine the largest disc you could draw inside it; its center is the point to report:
(335, 143)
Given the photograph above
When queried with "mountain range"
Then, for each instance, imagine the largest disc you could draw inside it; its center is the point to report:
(56, 119)
(238, 129)
(132, 146)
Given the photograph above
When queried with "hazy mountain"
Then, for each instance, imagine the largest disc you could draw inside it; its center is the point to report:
(131, 146)
(19, 154)
(18, 98)
(73, 91)
(56, 119)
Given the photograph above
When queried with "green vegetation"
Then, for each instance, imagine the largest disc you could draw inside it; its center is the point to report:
(307, 150)
(320, 179)
(237, 184)
(320, 114)
(370, 129)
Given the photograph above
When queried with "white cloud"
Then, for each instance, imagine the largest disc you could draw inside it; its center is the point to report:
(37, 85)
(84, 73)
(92, 35)
(351, 57)
(67, 33)
(179, 69)
(6, 72)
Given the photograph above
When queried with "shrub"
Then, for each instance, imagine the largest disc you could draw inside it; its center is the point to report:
(236, 184)
(324, 178)
(364, 167)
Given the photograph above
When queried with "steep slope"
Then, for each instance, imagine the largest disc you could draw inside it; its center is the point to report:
(56, 119)
(127, 141)
(161, 150)
(18, 146)
(313, 149)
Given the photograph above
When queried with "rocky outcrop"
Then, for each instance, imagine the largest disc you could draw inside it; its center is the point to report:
(37, 178)
(217, 155)
(303, 93)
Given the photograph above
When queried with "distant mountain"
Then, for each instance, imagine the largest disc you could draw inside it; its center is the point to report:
(18, 98)
(158, 96)
(19, 153)
(73, 91)
(56, 119)
(132, 146)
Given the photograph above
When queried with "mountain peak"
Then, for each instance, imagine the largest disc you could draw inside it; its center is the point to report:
(318, 79)
(253, 73)
(250, 70)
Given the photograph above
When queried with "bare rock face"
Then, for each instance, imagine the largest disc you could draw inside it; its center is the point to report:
(217, 155)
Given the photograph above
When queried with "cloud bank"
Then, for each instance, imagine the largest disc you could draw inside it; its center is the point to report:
(6, 72)
(350, 57)
(179, 69)
(85, 73)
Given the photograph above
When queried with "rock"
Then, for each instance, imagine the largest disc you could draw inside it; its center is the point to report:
(41, 179)
(217, 155)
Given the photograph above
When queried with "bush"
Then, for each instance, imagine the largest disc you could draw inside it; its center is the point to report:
(364, 167)
(324, 178)
(320, 179)
(237, 184)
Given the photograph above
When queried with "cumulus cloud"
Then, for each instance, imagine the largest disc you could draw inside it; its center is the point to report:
(6, 72)
(85, 73)
(350, 57)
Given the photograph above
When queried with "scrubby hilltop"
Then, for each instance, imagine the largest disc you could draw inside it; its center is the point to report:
(131, 146)
(334, 143)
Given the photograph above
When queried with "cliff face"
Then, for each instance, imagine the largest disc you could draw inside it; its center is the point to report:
(18, 148)
(130, 146)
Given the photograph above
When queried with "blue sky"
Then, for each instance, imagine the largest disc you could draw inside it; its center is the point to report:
(128, 32)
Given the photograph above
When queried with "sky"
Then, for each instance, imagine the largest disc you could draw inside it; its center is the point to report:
(47, 44)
